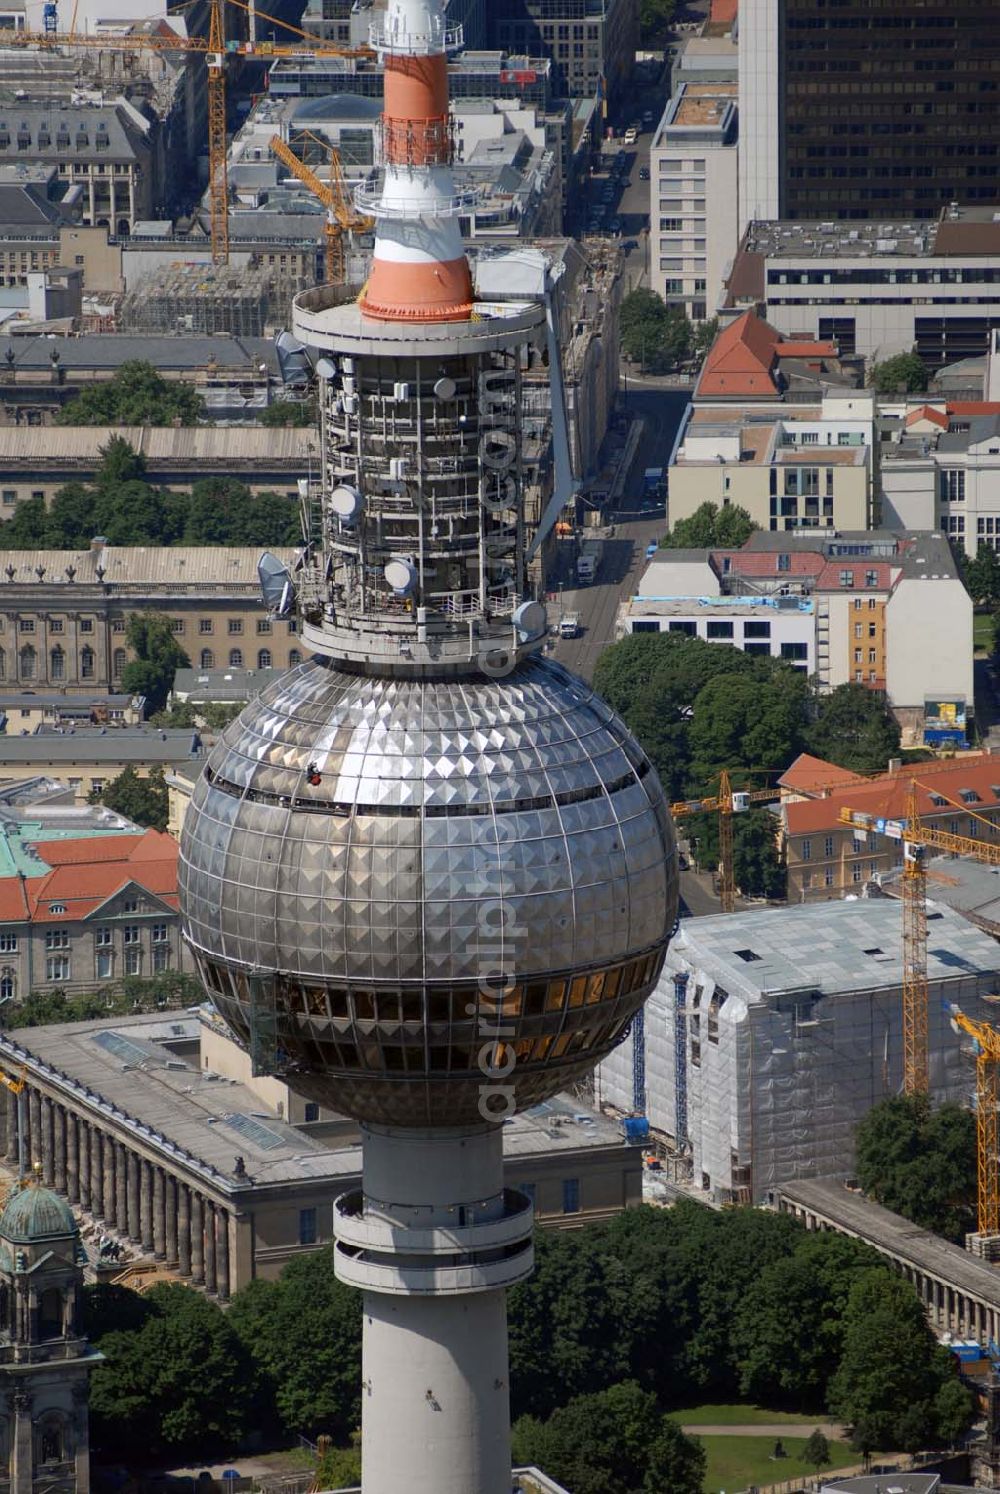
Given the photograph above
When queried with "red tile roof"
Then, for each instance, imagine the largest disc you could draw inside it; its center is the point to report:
(830, 576)
(974, 407)
(886, 795)
(927, 412)
(742, 357)
(85, 874)
(723, 10)
(814, 775)
(765, 563)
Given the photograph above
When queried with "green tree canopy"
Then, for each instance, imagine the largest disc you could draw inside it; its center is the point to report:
(304, 1332)
(854, 728)
(903, 374)
(816, 1450)
(894, 1385)
(752, 721)
(711, 527)
(705, 334)
(653, 333)
(288, 412)
(655, 20)
(136, 395)
(158, 656)
(144, 800)
(616, 1441)
(179, 1384)
(920, 1162)
(982, 577)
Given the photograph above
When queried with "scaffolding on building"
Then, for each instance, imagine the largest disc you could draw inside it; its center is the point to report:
(198, 298)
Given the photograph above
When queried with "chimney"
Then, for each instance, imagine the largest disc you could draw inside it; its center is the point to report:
(895, 765)
(97, 544)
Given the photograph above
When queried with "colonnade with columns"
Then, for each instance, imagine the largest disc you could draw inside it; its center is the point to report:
(167, 1218)
(950, 1308)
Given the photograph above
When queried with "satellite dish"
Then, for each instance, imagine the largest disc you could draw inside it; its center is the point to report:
(401, 576)
(445, 388)
(275, 584)
(325, 369)
(530, 620)
(347, 503)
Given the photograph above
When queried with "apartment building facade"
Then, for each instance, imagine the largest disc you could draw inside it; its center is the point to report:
(64, 614)
(940, 468)
(592, 43)
(694, 210)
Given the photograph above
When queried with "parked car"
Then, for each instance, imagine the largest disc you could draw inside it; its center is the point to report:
(644, 173)
(615, 225)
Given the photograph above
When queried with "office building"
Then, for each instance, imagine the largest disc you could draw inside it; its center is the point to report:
(87, 759)
(694, 227)
(876, 289)
(592, 43)
(868, 110)
(771, 1033)
(940, 468)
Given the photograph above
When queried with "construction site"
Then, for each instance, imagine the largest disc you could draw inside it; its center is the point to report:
(189, 298)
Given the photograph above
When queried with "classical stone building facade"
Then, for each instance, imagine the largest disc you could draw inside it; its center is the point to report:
(45, 1362)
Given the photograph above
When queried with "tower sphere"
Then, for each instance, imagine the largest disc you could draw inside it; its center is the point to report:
(408, 892)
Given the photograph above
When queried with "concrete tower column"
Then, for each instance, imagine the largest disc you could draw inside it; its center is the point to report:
(47, 1145)
(159, 1216)
(96, 1173)
(184, 1229)
(132, 1163)
(434, 1240)
(122, 1153)
(222, 1252)
(170, 1205)
(108, 1164)
(58, 1147)
(72, 1157)
(83, 1161)
(211, 1280)
(197, 1238)
(146, 1204)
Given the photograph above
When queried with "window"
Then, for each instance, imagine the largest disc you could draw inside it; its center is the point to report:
(294, 657)
(103, 937)
(8, 942)
(847, 578)
(204, 625)
(828, 846)
(263, 625)
(858, 655)
(757, 648)
(307, 1227)
(720, 630)
(28, 660)
(177, 625)
(8, 983)
(9, 496)
(117, 625)
(131, 905)
(952, 484)
(784, 562)
(207, 659)
(235, 626)
(807, 850)
(161, 958)
(236, 658)
(757, 630)
(131, 933)
(26, 625)
(264, 658)
(104, 964)
(828, 877)
(571, 1195)
(86, 625)
(794, 650)
(871, 578)
(57, 967)
(872, 630)
(160, 933)
(311, 1111)
(118, 661)
(56, 625)
(57, 938)
(133, 960)
(87, 668)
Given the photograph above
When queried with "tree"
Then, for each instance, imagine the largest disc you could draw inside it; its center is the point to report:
(120, 462)
(982, 577)
(705, 334)
(903, 374)
(854, 728)
(158, 656)
(920, 1162)
(288, 412)
(653, 333)
(816, 1450)
(747, 721)
(758, 867)
(136, 395)
(616, 1441)
(144, 800)
(180, 1384)
(711, 527)
(655, 20)
(304, 1333)
(890, 1382)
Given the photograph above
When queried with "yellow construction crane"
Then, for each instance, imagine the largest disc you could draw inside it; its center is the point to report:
(987, 1050)
(340, 215)
(728, 801)
(917, 838)
(16, 1087)
(217, 52)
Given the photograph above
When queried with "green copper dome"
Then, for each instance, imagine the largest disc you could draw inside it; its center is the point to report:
(33, 1214)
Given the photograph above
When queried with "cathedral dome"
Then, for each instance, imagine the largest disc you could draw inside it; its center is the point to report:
(34, 1214)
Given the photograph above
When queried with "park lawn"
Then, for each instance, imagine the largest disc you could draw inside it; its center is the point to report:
(736, 1462)
(742, 1416)
(982, 631)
